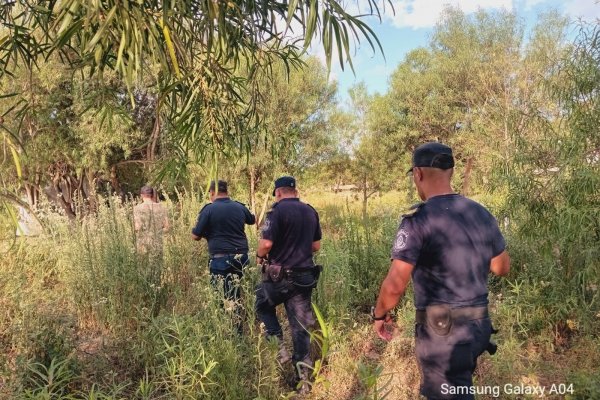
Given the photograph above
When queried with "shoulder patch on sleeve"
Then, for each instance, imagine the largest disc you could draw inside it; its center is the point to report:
(239, 202)
(266, 224)
(401, 240)
(206, 205)
(413, 210)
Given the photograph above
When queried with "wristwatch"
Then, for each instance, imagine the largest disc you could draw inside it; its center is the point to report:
(374, 318)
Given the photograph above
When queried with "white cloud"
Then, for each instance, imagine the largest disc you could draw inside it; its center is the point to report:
(426, 13)
(291, 32)
(588, 10)
(529, 4)
(317, 50)
(412, 14)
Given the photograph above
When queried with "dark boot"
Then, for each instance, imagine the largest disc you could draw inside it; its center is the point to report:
(303, 370)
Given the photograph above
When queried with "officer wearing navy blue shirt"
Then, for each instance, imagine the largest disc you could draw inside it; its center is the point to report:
(222, 224)
(290, 236)
(449, 245)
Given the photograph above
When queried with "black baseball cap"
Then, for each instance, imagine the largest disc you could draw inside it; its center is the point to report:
(221, 186)
(284, 181)
(433, 155)
(147, 190)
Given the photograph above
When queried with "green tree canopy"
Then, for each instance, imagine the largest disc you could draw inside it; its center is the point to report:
(204, 57)
(476, 84)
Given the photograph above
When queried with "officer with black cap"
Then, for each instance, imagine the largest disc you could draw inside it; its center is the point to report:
(222, 224)
(290, 235)
(449, 245)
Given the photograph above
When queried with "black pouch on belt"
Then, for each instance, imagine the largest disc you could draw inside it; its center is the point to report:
(439, 318)
(274, 272)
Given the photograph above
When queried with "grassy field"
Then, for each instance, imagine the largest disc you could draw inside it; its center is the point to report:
(82, 316)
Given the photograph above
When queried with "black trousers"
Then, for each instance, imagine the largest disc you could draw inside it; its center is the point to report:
(297, 302)
(447, 362)
(226, 270)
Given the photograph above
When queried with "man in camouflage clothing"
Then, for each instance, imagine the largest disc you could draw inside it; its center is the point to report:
(151, 221)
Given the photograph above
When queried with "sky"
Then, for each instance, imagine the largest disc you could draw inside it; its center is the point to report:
(412, 23)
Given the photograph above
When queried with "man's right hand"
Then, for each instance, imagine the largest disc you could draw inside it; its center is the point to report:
(500, 265)
(384, 328)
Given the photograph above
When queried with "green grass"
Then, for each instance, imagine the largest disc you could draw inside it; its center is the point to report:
(84, 317)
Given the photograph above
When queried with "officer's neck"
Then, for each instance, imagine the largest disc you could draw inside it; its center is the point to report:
(221, 196)
(438, 190)
(286, 196)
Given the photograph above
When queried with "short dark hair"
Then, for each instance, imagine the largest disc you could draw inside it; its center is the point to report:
(221, 186)
(147, 190)
(287, 189)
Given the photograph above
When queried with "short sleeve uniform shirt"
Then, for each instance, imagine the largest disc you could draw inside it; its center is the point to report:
(450, 240)
(222, 224)
(292, 226)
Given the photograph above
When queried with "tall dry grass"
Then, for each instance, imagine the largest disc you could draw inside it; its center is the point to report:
(85, 317)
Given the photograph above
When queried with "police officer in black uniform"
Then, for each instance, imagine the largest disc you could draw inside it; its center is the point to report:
(222, 224)
(290, 235)
(449, 244)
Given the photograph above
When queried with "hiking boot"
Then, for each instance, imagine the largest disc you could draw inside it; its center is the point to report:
(303, 374)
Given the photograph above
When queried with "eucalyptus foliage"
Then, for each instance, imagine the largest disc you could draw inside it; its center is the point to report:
(478, 86)
(209, 54)
(554, 196)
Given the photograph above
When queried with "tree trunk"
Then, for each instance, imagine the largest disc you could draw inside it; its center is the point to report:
(114, 180)
(263, 211)
(90, 178)
(60, 199)
(151, 150)
(467, 176)
(32, 192)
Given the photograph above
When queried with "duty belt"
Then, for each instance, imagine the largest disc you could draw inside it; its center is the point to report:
(218, 255)
(458, 314)
(290, 272)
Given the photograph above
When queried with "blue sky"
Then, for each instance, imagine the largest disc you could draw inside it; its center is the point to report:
(411, 26)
